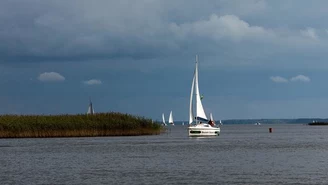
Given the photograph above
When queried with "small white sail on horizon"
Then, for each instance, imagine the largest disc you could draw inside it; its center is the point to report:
(171, 119)
(91, 110)
(163, 119)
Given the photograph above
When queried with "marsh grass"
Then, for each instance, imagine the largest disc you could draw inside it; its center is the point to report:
(80, 125)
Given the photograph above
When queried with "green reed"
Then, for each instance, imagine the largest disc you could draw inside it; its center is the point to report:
(80, 125)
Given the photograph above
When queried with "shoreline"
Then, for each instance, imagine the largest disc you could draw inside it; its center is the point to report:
(318, 124)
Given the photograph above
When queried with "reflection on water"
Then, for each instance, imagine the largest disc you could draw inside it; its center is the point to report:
(242, 154)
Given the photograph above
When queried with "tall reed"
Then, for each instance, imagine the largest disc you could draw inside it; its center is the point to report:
(80, 125)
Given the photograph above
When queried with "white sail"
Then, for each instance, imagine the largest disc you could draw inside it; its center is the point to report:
(91, 110)
(211, 117)
(163, 118)
(171, 118)
(191, 116)
(200, 113)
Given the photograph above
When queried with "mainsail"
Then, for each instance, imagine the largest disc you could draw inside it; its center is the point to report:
(191, 115)
(200, 113)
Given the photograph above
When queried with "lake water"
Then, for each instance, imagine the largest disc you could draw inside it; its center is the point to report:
(242, 154)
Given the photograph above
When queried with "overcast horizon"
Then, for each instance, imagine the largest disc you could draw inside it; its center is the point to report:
(257, 58)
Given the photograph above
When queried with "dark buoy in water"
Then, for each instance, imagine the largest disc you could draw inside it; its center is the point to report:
(270, 130)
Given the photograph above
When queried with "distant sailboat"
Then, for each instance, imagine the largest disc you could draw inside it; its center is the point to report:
(171, 119)
(182, 123)
(163, 118)
(90, 108)
(221, 122)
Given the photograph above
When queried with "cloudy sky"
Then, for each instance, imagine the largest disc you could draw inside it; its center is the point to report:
(258, 58)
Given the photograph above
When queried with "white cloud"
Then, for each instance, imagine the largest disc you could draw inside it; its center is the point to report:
(92, 82)
(310, 33)
(300, 78)
(278, 79)
(51, 77)
(227, 26)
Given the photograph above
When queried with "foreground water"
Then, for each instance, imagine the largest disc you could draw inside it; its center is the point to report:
(242, 154)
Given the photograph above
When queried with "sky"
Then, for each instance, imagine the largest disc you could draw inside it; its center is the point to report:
(257, 58)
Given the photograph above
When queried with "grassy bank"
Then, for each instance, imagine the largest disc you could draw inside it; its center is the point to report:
(81, 125)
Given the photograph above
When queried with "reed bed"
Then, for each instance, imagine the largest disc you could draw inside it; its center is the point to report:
(80, 125)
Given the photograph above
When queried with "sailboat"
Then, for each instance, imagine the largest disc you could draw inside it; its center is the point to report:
(199, 128)
(171, 119)
(90, 108)
(221, 122)
(163, 118)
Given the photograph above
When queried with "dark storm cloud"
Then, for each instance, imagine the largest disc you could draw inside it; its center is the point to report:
(60, 30)
(82, 30)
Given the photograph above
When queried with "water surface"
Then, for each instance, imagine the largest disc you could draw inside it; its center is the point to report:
(242, 154)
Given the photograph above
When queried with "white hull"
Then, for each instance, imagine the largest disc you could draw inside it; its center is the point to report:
(203, 130)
